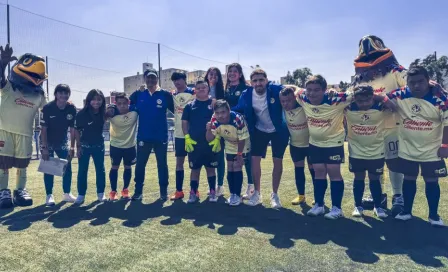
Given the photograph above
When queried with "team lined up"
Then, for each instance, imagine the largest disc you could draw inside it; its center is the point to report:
(243, 120)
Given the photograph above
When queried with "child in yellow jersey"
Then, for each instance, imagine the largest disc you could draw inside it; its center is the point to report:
(423, 136)
(365, 124)
(231, 127)
(325, 114)
(299, 139)
(123, 129)
(181, 97)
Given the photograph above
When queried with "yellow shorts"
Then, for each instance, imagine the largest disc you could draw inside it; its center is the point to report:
(15, 145)
(391, 143)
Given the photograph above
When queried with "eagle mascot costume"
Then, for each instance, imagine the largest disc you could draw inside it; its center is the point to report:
(21, 97)
(377, 66)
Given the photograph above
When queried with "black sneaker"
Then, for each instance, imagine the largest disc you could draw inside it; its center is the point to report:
(137, 197)
(397, 204)
(22, 198)
(5, 199)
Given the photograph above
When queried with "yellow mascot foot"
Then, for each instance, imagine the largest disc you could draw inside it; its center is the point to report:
(298, 200)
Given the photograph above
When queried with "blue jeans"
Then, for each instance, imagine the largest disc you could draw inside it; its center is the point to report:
(222, 168)
(143, 152)
(66, 179)
(97, 153)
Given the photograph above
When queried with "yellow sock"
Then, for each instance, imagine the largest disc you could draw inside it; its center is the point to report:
(4, 178)
(21, 178)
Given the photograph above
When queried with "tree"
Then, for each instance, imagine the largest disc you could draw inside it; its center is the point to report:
(437, 68)
(343, 86)
(298, 77)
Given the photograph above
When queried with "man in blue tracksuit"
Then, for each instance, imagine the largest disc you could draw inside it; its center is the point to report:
(151, 105)
(261, 107)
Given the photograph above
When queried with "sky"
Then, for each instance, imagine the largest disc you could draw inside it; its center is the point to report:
(279, 36)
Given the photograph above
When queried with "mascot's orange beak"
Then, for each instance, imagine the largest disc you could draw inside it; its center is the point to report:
(31, 70)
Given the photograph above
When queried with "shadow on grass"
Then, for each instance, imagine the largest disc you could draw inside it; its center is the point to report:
(362, 240)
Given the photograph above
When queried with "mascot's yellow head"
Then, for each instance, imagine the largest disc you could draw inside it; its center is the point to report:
(371, 48)
(28, 73)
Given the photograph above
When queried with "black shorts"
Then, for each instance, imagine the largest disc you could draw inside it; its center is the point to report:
(325, 155)
(260, 141)
(231, 157)
(129, 155)
(202, 156)
(373, 167)
(434, 169)
(298, 153)
(179, 147)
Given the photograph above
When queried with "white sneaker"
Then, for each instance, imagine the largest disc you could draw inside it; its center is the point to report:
(249, 191)
(380, 212)
(220, 191)
(235, 201)
(230, 199)
(101, 197)
(49, 201)
(212, 197)
(69, 198)
(193, 198)
(403, 216)
(275, 201)
(334, 213)
(255, 199)
(436, 223)
(80, 199)
(316, 210)
(358, 212)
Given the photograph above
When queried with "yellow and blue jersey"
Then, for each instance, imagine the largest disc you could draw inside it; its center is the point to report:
(232, 132)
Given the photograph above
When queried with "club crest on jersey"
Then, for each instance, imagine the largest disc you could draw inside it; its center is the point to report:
(69, 117)
(226, 132)
(315, 110)
(291, 113)
(272, 100)
(416, 108)
(181, 100)
(141, 143)
(209, 107)
(159, 101)
(365, 117)
(237, 93)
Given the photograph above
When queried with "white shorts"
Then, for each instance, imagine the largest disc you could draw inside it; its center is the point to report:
(391, 143)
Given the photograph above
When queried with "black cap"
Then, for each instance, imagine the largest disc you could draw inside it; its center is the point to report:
(150, 71)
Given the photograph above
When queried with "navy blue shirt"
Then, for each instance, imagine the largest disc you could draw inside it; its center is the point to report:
(152, 121)
(198, 114)
(233, 93)
(90, 126)
(57, 121)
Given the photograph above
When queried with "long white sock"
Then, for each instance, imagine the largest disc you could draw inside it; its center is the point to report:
(396, 180)
(21, 178)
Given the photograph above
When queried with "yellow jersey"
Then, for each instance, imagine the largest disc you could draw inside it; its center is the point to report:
(123, 129)
(325, 121)
(236, 130)
(180, 101)
(18, 110)
(298, 127)
(421, 124)
(365, 132)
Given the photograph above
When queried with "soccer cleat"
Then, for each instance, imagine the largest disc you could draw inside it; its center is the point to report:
(22, 198)
(275, 201)
(235, 201)
(436, 222)
(316, 210)
(177, 195)
(334, 213)
(68, 197)
(358, 212)
(137, 197)
(49, 200)
(194, 197)
(220, 191)
(255, 199)
(5, 199)
(125, 193)
(249, 191)
(212, 197)
(397, 204)
(113, 196)
(80, 199)
(300, 199)
(380, 212)
(101, 197)
(403, 216)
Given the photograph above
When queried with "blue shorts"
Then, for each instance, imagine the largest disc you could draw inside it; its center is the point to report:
(179, 147)
(326, 155)
(433, 169)
(202, 156)
(260, 141)
(298, 153)
(128, 155)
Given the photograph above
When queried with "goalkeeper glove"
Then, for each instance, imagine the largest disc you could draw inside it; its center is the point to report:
(216, 144)
(189, 143)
